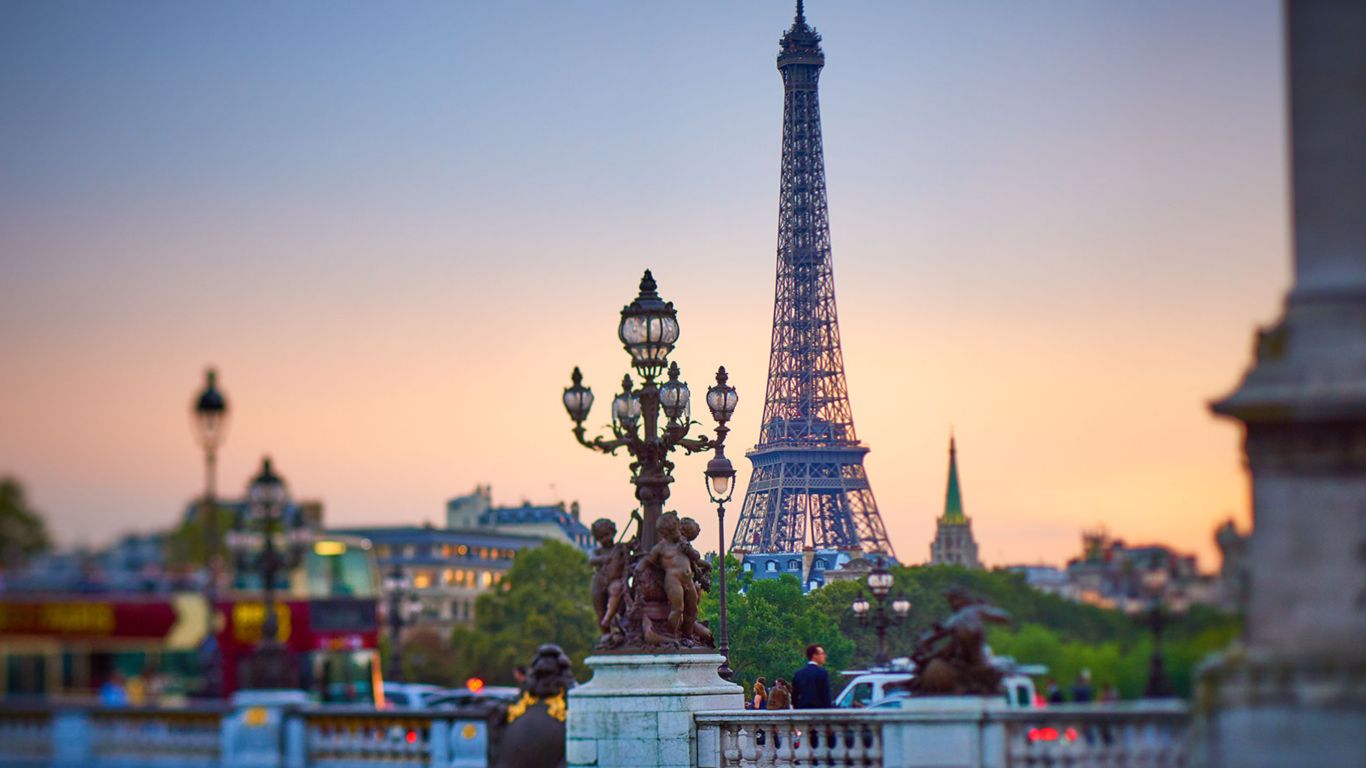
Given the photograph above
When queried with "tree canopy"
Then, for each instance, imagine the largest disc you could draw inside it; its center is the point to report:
(23, 532)
(543, 599)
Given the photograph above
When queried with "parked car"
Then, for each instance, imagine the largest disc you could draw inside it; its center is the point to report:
(409, 695)
(464, 697)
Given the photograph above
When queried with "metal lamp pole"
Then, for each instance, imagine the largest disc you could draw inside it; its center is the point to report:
(880, 583)
(722, 399)
(267, 500)
(210, 413)
(400, 605)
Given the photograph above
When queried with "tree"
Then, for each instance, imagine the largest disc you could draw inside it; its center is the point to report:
(23, 533)
(771, 623)
(542, 599)
(187, 545)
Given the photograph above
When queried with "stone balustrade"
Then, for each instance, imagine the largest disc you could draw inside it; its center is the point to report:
(249, 735)
(947, 733)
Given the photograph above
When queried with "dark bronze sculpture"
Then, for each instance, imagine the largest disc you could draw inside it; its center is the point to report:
(951, 658)
(533, 736)
(646, 588)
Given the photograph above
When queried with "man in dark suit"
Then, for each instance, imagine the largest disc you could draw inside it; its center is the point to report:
(811, 684)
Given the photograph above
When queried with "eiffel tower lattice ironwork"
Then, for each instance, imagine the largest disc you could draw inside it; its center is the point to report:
(809, 488)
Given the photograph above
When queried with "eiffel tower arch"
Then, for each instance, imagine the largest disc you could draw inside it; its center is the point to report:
(809, 488)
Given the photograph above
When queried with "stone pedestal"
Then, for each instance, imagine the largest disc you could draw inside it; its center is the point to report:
(637, 711)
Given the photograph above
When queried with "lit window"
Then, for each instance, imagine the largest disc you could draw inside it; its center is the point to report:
(487, 578)
(464, 550)
(422, 579)
(448, 576)
(382, 551)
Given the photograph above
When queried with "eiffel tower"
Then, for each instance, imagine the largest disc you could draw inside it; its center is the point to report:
(809, 488)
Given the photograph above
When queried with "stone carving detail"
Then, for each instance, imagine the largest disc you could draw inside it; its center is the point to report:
(951, 658)
(649, 599)
(535, 724)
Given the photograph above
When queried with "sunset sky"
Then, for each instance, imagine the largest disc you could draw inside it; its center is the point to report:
(396, 227)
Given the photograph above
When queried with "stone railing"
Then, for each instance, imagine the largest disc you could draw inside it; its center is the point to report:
(262, 735)
(946, 733)
(362, 737)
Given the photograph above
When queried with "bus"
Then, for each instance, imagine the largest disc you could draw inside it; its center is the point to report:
(65, 645)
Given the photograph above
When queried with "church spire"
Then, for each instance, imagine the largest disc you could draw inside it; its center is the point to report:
(953, 498)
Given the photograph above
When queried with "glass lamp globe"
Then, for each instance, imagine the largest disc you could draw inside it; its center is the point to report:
(722, 398)
(578, 399)
(901, 607)
(626, 408)
(880, 580)
(720, 478)
(674, 396)
(267, 492)
(648, 329)
(210, 412)
(860, 606)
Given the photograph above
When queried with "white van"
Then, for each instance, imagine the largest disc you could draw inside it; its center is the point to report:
(869, 689)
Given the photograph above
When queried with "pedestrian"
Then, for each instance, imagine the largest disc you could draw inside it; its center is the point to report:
(112, 693)
(760, 700)
(781, 696)
(1054, 692)
(1081, 690)
(811, 684)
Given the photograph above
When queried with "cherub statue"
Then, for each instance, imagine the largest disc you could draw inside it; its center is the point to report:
(701, 572)
(671, 558)
(701, 569)
(610, 561)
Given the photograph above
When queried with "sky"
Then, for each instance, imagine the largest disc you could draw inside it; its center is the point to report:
(395, 228)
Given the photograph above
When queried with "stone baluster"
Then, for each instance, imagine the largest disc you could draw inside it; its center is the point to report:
(730, 745)
(784, 746)
(746, 739)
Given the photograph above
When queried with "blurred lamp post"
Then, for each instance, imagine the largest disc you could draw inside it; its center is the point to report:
(721, 400)
(1159, 614)
(210, 421)
(880, 583)
(402, 606)
(269, 544)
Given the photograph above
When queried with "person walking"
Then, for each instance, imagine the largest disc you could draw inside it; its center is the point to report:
(760, 700)
(811, 684)
(780, 697)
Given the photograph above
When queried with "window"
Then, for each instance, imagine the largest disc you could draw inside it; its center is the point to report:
(749, 567)
(794, 565)
(813, 584)
(422, 579)
(818, 564)
(771, 566)
(486, 578)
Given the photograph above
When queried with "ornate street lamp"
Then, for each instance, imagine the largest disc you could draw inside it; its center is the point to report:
(720, 474)
(880, 582)
(210, 412)
(402, 606)
(648, 331)
(1160, 613)
(267, 542)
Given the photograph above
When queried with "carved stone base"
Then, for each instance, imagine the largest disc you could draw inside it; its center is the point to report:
(1260, 709)
(637, 711)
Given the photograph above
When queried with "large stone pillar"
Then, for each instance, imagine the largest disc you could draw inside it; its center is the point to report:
(1295, 693)
(637, 711)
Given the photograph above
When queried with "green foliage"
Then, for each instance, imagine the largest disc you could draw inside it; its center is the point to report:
(772, 622)
(23, 532)
(188, 543)
(543, 599)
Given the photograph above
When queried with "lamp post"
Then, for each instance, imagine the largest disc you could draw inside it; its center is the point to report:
(648, 331)
(402, 605)
(210, 412)
(276, 544)
(720, 474)
(880, 583)
(1159, 614)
